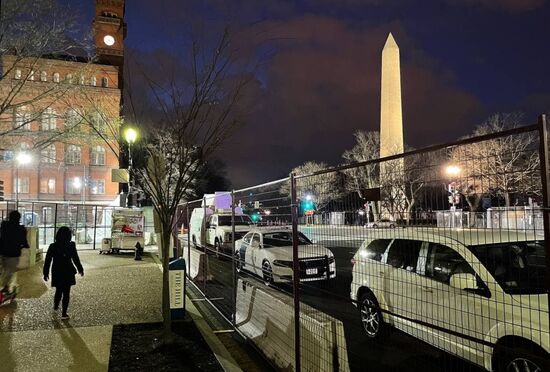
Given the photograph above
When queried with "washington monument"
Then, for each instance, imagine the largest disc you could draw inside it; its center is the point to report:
(391, 117)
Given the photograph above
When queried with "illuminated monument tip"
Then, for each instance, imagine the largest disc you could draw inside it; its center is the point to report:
(390, 42)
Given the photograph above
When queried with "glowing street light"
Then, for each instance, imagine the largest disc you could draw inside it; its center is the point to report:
(77, 183)
(22, 158)
(130, 135)
(452, 170)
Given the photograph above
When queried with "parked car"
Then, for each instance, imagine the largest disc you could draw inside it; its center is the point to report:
(382, 223)
(478, 294)
(267, 252)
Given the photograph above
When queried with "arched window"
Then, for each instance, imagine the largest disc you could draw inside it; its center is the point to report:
(56, 77)
(69, 78)
(31, 75)
(82, 80)
(104, 82)
(48, 155)
(17, 75)
(48, 120)
(93, 81)
(43, 76)
(72, 154)
(97, 157)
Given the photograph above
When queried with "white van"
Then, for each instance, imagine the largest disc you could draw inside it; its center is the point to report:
(213, 228)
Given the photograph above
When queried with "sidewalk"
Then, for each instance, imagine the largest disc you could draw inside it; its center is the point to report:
(115, 290)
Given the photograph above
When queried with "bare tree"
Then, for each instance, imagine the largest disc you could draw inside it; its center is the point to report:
(500, 167)
(322, 188)
(360, 179)
(197, 110)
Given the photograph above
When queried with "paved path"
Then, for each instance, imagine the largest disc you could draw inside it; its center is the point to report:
(114, 290)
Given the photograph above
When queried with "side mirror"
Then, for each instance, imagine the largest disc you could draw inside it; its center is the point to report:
(463, 281)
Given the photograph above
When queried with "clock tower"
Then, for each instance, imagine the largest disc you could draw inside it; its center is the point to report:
(110, 32)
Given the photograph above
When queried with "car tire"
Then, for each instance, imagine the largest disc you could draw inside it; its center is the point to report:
(522, 359)
(392, 226)
(371, 316)
(217, 248)
(267, 272)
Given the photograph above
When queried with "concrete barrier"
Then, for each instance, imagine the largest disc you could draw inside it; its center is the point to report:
(266, 317)
(195, 263)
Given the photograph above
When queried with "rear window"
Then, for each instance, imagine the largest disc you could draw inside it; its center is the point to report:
(376, 249)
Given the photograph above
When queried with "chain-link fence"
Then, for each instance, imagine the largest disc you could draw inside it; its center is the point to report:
(435, 259)
(90, 223)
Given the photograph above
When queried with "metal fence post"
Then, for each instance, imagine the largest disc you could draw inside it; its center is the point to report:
(55, 220)
(233, 258)
(296, 273)
(95, 225)
(544, 153)
(203, 242)
(188, 240)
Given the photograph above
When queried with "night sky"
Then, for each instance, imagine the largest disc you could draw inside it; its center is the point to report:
(319, 80)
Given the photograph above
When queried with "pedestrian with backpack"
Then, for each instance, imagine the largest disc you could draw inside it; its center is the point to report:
(63, 257)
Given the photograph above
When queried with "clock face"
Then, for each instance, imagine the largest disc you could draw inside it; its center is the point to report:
(109, 40)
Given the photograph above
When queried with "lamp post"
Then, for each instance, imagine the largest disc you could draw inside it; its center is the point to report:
(22, 158)
(130, 135)
(452, 172)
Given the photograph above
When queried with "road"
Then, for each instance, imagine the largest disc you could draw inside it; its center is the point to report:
(397, 351)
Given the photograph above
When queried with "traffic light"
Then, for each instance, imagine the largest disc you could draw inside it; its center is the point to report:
(1, 189)
(307, 205)
(255, 216)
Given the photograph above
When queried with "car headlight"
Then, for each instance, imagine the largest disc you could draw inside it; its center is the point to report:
(282, 263)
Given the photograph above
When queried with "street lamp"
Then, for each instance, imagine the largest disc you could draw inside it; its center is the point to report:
(130, 135)
(22, 158)
(452, 170)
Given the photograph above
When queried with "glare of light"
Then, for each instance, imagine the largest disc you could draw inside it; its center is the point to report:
(267, 212)
(309, 197)
(361, 212)
(77, 183)
(130, 135)
(23, 158)
(452, 170)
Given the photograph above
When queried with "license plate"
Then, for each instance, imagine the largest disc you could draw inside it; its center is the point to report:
(311, 271)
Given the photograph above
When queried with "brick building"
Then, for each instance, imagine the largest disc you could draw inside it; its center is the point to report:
(68, 128)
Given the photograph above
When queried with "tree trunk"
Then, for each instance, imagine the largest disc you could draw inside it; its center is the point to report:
(165, 247)
(507, 199)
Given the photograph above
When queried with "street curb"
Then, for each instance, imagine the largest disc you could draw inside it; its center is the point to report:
(222, 354)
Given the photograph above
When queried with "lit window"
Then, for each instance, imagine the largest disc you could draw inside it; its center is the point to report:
(31, 75)
(97, 122)
(48, 120)
(72, 118)
(97, 157)
(21, 185)
(74, 185)
(17, 74)
(93, 81)
(82, 80)
(8, 155)
(48, 155)
(43, 76)
(47, 185)
(98, 187)
(22, 119)
(104, 82)
(72, 155)
(56, 77)
(69, 78)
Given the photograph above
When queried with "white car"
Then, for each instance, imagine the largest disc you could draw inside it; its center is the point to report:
(478, 294)
(382, 223)
(267, 252)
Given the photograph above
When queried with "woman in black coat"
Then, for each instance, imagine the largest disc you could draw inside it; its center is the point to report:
(63, 253)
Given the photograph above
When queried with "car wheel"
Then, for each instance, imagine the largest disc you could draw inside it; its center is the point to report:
(238, 263)
(217, 248)
(374, 226)
(267, 273)
(392, 226)
(521, 359)
(371, 316)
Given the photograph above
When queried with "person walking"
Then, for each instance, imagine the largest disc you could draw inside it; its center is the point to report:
(63, 258)
(13, 237)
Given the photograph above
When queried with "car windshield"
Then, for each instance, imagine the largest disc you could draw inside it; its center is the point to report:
(519, 267)
(239, 221)
(283, 239)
